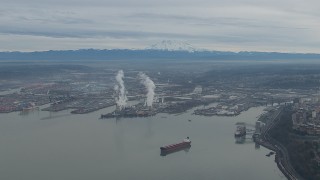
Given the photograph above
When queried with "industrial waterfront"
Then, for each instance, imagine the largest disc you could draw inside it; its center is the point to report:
(56, 145)
(94, 122)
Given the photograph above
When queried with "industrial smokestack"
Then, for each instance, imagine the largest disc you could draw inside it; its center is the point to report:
(121, 97)
(149, 84)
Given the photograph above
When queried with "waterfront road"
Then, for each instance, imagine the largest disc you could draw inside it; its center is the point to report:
(282, 157)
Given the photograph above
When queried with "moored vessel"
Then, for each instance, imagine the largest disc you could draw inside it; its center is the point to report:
(241, 131)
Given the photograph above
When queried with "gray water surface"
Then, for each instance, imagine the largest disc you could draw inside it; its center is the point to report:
(60, 146)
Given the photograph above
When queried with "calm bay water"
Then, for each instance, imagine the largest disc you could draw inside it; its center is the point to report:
(43, 145)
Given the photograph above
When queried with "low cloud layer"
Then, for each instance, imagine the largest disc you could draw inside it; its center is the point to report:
(252, 25)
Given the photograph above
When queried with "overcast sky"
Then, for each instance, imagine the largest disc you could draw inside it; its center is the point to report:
(238, 25)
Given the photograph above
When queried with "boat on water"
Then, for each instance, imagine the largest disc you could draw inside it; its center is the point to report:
(240, 131)
(185, 144)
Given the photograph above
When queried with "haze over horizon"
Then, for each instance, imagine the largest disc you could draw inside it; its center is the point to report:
(244, 25)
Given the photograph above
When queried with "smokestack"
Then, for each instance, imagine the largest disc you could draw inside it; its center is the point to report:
(149, 84)
(121, 97)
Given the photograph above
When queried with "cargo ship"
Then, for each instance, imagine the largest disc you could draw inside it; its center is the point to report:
(185, 144)
(241, 131)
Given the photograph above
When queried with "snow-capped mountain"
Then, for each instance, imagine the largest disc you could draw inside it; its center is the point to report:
(170, 45)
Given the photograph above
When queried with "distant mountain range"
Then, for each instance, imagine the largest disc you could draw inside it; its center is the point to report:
(162, 50)
(169, 45)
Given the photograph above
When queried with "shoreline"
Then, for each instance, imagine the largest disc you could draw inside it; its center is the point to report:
(281, 157)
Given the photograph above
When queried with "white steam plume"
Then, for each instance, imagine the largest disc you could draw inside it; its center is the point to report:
(121, 98)
(149, 84)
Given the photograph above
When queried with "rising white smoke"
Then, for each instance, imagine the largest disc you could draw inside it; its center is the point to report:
(121, 98)
(149, 84)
